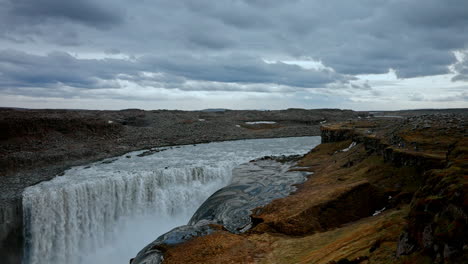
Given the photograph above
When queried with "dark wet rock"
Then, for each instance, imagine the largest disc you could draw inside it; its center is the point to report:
(254, 184)
(283, 158)
(108, 161)
(11, 239)
(150, 152)
(347, 261)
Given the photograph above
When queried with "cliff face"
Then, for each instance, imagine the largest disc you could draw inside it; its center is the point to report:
(436, 228)
(11, 232)
(382, 191)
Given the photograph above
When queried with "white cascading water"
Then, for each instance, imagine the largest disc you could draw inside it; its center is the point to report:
(107, 211)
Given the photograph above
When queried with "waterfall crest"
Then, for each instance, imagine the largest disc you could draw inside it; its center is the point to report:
(60, 216)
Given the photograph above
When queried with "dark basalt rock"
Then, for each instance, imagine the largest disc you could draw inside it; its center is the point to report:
(329, 135)
(11, 231)
(254, 184)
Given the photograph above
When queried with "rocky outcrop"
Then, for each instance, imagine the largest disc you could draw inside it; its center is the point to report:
(438, 219)
(11, 232)
(437, 225)
(395, 153)
(350, 203)
(330, 134)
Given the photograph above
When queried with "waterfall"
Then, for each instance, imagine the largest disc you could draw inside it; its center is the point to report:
(106, 211)
(57, 218)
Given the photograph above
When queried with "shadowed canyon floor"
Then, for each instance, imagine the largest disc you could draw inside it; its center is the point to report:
(387, 190)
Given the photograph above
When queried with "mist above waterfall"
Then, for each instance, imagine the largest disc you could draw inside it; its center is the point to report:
(106, 211)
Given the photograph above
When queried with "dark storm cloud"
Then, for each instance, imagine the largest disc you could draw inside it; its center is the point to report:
(227, 41)
(20, 69)
(415, 38)
(209, 41)
(91, 13)
(58, 69)
(242, 69)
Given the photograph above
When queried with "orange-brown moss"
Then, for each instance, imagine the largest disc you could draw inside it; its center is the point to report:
(219, 247)
(378, 233)
(374, 238)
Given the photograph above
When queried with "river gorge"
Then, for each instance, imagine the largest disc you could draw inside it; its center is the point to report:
(105, 212)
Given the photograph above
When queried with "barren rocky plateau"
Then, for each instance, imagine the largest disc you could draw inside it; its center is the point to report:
(36, 145)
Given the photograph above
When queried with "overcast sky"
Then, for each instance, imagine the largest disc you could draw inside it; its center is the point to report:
(237, 54)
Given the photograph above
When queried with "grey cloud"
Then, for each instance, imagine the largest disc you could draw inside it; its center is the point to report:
(417, 97)
(398, 34)
(242, 69)
(36, 23)
(225, 41)
(434, 14)
(415, 38)
(364, 86)
(240, 14)
(461, 69)
(112, 51)
(91, 13)
(460, 96)
(209, 41)
(22, 71)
